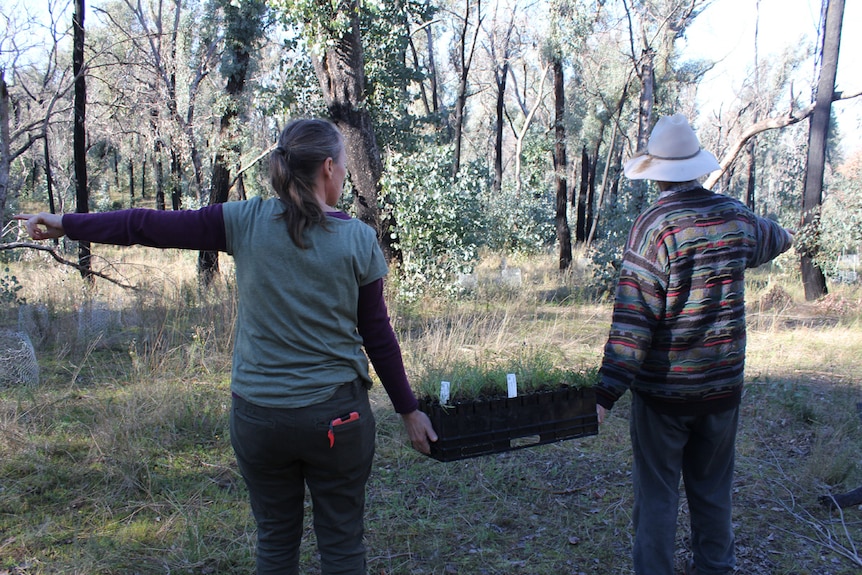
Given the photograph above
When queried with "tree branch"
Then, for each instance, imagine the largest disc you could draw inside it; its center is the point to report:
(64, 261)
(251, 164)
(788, 119)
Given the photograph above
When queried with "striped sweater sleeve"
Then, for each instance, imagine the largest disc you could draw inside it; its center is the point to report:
(772, 240)
(639, 305)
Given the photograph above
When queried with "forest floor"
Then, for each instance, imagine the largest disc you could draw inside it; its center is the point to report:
(119, 460)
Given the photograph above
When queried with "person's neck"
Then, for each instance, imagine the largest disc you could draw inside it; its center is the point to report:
(670, 187)
(326, 208)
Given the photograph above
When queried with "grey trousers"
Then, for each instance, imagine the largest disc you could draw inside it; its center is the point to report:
(280, 451)
(700, 449)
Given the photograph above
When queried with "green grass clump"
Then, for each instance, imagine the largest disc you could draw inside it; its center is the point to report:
(482, 380)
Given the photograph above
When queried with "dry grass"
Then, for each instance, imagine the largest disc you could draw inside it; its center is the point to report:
(119, 461)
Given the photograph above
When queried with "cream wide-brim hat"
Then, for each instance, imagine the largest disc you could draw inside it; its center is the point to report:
(673, 154)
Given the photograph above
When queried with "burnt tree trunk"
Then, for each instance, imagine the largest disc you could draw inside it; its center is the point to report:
(564, 233)
(79, 139)
(131, 181)
(752, 172)
(646, 73)
(581, 225)
(49, 181)
(244, 28)
(465, 60)
(432, 71)
(176, 196)
(501, 76)
(813, 278)
(159, 175)
(144, 178)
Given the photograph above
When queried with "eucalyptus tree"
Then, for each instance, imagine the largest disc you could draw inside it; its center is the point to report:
(736, 142)
(624, 69)
(767, 92)
(120, 87)
(527, 112)
(602, 84)
(570, 27)
(813, 278)
(764, 112)
(786, 171)
(841, 220)
(500, 51)
(521, 126)
(243, 27)
(509, 40)
(173, 57)
(653, 28)
(423, 53)
(395, 76)
(464, 49)
(564, 232)
(332, 31)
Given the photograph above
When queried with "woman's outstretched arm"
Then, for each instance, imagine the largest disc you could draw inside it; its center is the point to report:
(201, 229)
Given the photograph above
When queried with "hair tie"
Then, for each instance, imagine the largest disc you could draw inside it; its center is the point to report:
(285, 154)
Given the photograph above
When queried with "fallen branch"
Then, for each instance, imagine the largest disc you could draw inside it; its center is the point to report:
(792, 117)
(827, 537)
(839, 541)
(65, 262)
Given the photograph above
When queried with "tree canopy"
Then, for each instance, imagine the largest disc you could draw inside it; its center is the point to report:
(532, 105)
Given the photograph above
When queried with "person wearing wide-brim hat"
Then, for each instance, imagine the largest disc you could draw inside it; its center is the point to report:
(677, 341)
(673, 154)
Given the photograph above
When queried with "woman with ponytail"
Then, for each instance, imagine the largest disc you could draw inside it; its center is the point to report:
(310, 284)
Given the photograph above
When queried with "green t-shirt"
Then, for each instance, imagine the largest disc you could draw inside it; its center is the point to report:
(296, 338)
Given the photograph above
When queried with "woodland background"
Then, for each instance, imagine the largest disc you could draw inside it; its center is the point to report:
(471, 126)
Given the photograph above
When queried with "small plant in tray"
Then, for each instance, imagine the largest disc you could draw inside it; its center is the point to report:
(482, 408)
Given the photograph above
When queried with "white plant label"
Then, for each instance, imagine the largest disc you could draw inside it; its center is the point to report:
(512, 384)
(444, 392)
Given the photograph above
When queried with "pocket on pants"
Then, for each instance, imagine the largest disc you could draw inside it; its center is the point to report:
(251, 434)
(350, 438)
(252, 420)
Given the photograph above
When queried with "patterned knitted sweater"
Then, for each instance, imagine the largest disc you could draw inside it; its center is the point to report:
(678, 331)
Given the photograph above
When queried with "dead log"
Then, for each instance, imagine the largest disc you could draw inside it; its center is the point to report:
(842, 500)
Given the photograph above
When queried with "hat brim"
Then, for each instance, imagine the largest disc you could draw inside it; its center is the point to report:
(648, 167)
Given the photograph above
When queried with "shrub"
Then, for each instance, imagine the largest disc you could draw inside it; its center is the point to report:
(438, 218)
(519, 222)
(441, 221)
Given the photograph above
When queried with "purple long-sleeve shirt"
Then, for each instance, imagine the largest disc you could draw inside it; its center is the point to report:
(204, 229)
